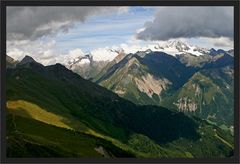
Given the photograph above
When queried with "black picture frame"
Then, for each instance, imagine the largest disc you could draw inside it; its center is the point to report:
(233, 3)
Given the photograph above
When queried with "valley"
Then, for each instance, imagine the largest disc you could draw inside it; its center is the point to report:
(197, 82)
(49, 106)
(88, 82)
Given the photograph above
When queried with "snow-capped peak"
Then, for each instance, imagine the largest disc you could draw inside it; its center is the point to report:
(148, 51)
(175, 47)
(88, 58)
(120, 54)
(179, 45)
(172, 47)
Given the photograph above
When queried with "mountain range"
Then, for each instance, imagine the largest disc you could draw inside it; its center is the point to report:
(54, 112)
(187, 78)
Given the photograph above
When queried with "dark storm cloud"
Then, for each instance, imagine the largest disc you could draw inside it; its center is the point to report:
(187, 22)
(34, 22)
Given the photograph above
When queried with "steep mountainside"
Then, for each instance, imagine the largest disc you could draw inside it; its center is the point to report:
(89, 70)
(104, 70)
(216, 58)
(208, 94)
(145, 77)
(10, 62)
(85, 66)
(32, 138)
(42, 100)
(148, 77)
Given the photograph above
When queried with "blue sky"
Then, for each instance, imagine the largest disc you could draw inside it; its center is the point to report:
(105, 30)
(112, 29)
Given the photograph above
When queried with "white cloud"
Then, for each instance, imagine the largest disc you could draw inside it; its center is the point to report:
(47, 53)
(103, 54)
(69, 56)
(140, 30)
(17, 54)
(222, 42)
(41, 51)
(75, 53)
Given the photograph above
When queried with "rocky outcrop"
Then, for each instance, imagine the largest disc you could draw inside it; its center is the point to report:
(150, 85)
(186, 104)
(189, 103)
(71, 64)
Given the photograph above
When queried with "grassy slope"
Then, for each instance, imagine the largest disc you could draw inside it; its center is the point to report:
(206, 146)
(39, 104)
(109, 117)
(214, 102)
(122, 79)
(219, 110)
(159, 64)
(28, 137)
(48, 95)
(31, 111)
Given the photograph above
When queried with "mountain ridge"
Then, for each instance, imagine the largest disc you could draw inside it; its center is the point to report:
(176, 71)
(58, 90)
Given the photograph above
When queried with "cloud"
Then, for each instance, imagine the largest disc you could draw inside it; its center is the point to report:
(75, 53)
(35, 22)
(47, 53)
(16, 54)
(188, 22)
(221, 42)
(43, 52)
(103, 54)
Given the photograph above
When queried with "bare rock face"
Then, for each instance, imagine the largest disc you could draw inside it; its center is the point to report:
(149, 85)
(186, 104)
(120, 56)
(73, 63)
(197, 89)
(189, 103)
(101, 151)
(85, 66)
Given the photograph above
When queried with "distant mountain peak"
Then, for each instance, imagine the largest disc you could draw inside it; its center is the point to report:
(59, 65)
(10, 59)
(118, 51)
(231, 52)
(215, 52)
(174, 47)
(212, 50)
(120, 56)
(88, 58)
(27, 59)
(148, 51)
(10, 62)
(180, 45)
